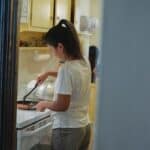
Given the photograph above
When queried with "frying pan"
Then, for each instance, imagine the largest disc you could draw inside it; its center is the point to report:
(27, 105)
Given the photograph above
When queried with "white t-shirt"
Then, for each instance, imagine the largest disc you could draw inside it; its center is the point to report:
(73, 79)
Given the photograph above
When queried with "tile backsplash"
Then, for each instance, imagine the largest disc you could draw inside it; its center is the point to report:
(32, 62)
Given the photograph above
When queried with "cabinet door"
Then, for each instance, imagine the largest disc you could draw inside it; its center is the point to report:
(41, 13)
(24, 18)
(63, 10)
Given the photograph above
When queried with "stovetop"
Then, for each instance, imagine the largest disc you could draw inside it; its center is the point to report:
(28, 117)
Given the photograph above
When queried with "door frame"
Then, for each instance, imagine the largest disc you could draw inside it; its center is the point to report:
(8, 72)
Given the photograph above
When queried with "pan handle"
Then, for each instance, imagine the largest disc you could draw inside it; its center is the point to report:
(36, 85)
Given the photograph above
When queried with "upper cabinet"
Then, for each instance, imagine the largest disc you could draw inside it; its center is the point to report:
(41, 14)
(38, 15)
(24, 11)
(62, 10)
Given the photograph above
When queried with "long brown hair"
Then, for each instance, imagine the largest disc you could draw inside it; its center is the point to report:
(64, 32)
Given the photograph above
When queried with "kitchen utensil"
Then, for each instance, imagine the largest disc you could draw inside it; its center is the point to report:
(24, 98)
(27, 105)
(44, 91)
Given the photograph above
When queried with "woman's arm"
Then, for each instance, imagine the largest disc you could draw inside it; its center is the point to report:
(52, 73)
(41, 78)
(61, 104)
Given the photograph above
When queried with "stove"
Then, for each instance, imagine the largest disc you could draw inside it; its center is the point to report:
(32, 127)
(28, 117)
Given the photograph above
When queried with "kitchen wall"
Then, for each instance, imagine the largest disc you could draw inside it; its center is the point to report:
(32, 62)
(96, 11)
(92, 10)
(82, 8)
(31, 39)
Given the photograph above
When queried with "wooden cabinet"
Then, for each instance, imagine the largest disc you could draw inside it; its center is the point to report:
(24, 17)
(62, 10)
(40, 15)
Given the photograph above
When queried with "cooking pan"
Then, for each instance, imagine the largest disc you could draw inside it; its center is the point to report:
(27, 104)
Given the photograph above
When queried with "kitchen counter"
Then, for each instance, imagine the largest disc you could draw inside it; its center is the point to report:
(27, 117)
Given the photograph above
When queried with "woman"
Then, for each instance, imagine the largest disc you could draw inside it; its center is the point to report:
(71, 130)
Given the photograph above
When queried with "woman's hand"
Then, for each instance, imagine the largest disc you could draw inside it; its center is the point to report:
(41, 78)
(41, 106)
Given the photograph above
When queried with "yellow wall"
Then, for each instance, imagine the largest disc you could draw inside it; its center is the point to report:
(96, 10)
(92, 104)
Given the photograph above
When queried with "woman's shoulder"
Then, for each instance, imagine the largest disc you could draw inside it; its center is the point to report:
(72, 64)
(65, 66)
